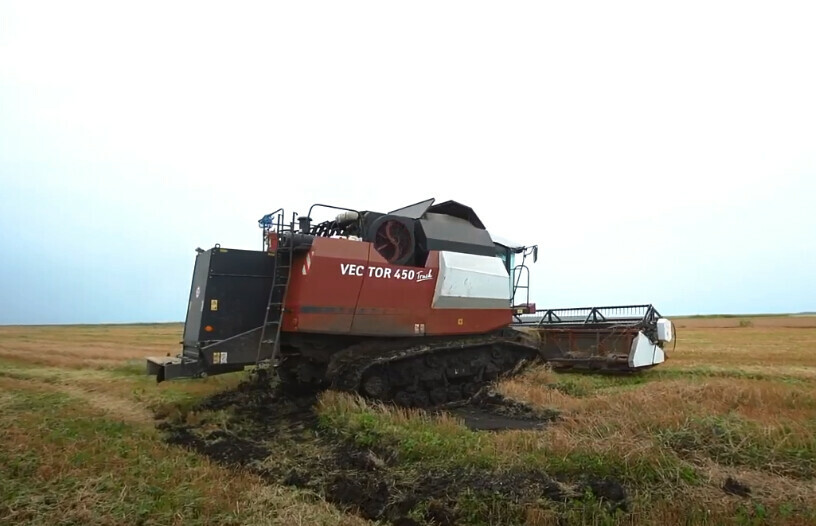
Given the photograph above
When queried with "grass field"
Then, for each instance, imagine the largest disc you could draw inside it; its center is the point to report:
(724, 432)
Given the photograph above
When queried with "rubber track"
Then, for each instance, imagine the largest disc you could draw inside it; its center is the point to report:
(347, 368)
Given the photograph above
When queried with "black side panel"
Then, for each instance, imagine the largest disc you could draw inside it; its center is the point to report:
(230, 292)
(195, 305)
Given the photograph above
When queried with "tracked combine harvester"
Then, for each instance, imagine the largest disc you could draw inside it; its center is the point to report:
(414, 306)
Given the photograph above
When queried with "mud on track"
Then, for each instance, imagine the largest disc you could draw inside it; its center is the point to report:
(278, 438)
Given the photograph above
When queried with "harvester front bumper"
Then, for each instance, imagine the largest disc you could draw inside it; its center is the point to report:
(172, 368)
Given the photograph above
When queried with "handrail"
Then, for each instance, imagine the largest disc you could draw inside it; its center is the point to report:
(615, 314)
(517, 285)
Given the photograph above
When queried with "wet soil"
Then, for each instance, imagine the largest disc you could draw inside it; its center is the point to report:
(735, 487)
(490, 411)
(278, 438)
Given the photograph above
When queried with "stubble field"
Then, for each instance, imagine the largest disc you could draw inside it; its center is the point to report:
(723, 433)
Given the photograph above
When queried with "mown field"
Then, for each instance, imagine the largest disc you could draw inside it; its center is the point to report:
(723, 433)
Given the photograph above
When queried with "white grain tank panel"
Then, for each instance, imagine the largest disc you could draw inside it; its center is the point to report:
(468, 281)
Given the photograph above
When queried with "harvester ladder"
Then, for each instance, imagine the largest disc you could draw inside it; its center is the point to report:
(282, 272)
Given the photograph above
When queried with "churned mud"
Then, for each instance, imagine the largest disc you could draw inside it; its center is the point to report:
(490, 411)
(734, 487)
(278, 437)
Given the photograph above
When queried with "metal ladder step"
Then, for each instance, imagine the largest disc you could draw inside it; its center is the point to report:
(284, 256)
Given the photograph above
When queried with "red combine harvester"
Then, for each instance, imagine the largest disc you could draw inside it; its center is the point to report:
(414, 306)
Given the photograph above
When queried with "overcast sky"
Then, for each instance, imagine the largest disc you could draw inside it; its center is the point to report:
(656, 152)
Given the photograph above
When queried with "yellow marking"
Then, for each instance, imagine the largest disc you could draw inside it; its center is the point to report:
(213, 304)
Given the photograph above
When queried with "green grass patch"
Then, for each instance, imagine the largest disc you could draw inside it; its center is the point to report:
(417, 438)
(702, 373)
(442, 441)
(788, 449)
(131, 368)
(64, 462)
(582, 385)
(128, 381)
(60, 463)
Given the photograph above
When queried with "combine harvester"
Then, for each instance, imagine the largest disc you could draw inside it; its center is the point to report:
(415, 306)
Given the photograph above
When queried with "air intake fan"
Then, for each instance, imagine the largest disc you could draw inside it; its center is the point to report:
(393, 238)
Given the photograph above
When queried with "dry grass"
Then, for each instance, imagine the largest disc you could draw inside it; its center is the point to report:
(65, 462)
(78, 443)
(731, 402)
(87, 346)
(345, 404)
(735, 399)
(726, 322)
(667, 488)
(750, 349)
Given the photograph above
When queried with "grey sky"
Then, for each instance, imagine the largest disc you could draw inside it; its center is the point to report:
(662, 154)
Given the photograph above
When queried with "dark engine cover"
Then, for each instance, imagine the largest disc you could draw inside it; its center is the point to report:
(229, 293)
(449, 226)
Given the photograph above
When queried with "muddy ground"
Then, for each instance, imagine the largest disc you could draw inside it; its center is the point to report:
(278, 438)
(488, 410)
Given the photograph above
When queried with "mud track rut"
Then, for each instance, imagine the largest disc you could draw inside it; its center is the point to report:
(278, 437)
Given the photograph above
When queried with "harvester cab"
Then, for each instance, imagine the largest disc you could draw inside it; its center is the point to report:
(418, 305)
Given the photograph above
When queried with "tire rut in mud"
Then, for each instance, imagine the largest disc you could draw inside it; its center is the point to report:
(278, 438)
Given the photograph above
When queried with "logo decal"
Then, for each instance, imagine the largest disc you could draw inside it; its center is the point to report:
(402, 274)
(424, 276)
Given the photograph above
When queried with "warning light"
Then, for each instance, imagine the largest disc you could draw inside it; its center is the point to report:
(208, 328)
